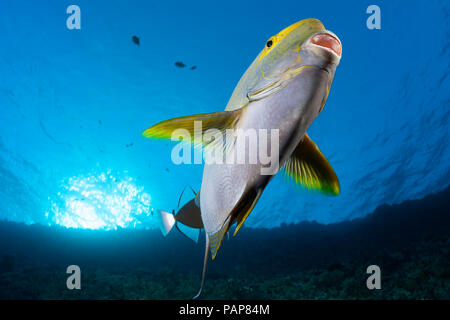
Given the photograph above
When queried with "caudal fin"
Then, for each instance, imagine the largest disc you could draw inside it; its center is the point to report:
(205, 262)
(165, 220)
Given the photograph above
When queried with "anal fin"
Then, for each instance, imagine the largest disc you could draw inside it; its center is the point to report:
(239, 214)
(246, 210)
(216, 238)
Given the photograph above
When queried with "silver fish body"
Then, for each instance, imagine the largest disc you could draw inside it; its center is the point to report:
(290, 111)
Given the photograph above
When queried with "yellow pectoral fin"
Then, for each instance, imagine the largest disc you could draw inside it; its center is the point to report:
(309, 167)
(194, 125)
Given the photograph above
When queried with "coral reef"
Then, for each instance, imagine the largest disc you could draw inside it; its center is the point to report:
(409, 242)
(421, 271)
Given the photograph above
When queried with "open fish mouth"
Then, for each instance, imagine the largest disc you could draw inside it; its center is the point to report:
(327, 41)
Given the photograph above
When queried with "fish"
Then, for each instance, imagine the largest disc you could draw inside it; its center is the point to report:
(136, 40)
(187, 220)
(193, 67)
(179, 64)
(284, 89)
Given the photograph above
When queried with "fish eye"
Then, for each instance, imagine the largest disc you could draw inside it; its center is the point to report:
(269, 43)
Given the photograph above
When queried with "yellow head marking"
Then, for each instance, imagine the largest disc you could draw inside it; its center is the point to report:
(272, 42)
(280, 52)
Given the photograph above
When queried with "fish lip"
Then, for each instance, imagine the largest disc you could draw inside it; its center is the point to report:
(308, 43)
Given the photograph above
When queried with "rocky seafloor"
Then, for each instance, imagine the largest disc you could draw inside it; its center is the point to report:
(403, 277)
(409, 242)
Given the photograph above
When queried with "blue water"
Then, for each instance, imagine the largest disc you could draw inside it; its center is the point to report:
(74, 103)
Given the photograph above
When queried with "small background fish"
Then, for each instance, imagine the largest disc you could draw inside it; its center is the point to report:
(136, 40)
(180, 64)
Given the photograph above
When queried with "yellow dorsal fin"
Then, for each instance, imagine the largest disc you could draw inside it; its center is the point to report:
(309, 167)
